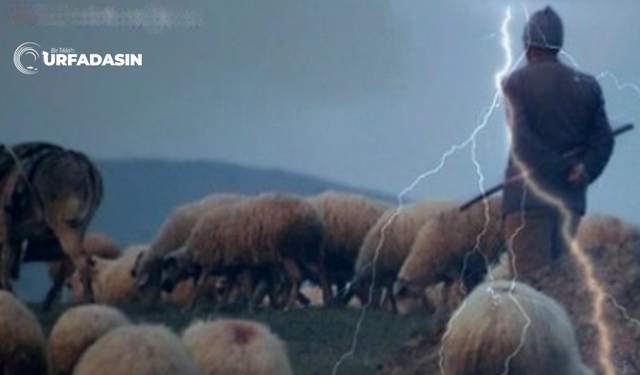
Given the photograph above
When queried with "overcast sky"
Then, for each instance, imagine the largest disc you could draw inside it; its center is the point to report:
(367, 92)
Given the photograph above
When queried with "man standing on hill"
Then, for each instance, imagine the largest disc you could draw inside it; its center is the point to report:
(551, 109)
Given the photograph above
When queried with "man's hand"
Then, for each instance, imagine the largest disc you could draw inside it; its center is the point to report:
(578, 176)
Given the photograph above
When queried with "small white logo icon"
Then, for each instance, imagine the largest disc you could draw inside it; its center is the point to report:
(27, 48)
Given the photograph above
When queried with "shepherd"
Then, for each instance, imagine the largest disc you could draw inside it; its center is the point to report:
(551, 108)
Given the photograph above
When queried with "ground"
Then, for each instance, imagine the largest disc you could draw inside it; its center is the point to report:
(316, 338)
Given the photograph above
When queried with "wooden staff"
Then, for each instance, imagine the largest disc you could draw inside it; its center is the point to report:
(616, 132)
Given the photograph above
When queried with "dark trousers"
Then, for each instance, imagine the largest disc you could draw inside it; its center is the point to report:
(535, 238)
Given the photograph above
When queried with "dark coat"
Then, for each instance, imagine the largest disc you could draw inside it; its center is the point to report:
(553, 109)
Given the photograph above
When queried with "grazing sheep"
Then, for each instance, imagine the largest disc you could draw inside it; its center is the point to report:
(390, 239)
(61, 271)
(512, 321)
(347, 219)
(253, 241)
(172, 235)
(112, 280)
(113, 283)
(455, 247)
(75, 331)
(137, 350)
(22, 344)
(236, 347)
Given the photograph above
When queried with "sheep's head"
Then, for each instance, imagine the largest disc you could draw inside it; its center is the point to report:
(178, 266)
(145, 270)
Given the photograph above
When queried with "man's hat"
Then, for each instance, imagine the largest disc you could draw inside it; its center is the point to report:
(544, 30)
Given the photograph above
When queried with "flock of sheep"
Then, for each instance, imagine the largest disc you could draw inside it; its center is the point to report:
(258, 249)
(264, 251)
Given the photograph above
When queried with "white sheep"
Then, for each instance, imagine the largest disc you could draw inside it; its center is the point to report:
(172, 235)
(236, 347)
(505, 325)
(388, 243)
(455, 248)
(137, 350)
(347, 219)
(252, 241)
(22, 344)
(76, 330)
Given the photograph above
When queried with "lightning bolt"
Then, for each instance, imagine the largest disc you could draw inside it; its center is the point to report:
(619, 85)
(593, 285)
(471, 140)
(508, 67)
(624, 311)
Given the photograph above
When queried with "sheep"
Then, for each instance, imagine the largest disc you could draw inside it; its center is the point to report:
(113, 283)
(137, 350)
(388, 243)
(347, 219)
(236, 347)
(22, 343)
(112, 280)
(61, 271)
(75, 331)
(172, 235)
(455, 248)
(254, 240)
(503, 321)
